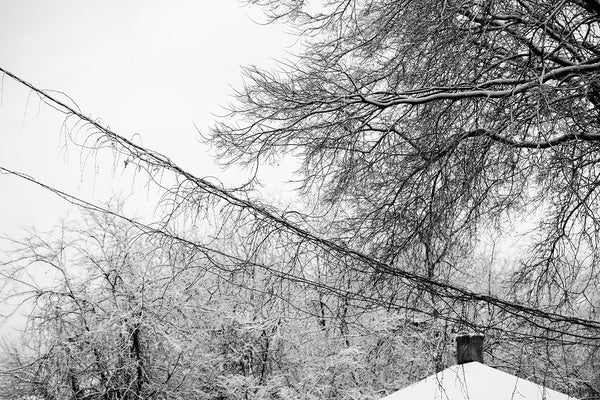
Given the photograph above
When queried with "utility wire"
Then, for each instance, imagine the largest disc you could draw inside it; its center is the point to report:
(437, 288)
(210, 255)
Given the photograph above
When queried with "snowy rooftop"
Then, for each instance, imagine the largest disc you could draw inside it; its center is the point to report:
(476, 381)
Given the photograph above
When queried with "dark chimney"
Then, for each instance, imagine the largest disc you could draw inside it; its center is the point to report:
(469, 348)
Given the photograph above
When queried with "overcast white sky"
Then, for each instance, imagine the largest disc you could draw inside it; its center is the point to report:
(148, 67)
(153, 68)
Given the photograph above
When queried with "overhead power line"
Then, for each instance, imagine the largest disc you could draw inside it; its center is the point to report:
(437, 288)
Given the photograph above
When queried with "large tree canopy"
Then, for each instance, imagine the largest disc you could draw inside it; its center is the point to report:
(419, 121)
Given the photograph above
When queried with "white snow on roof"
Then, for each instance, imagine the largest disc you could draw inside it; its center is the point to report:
(475, 381)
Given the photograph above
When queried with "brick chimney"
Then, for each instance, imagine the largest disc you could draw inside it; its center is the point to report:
(469, 348)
